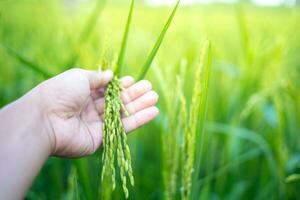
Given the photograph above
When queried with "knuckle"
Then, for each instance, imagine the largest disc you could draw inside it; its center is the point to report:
(126, 97)
(127, 81)
(75, 70)
(147, 84)
(130, 108)
(154, 95)
(129, 78)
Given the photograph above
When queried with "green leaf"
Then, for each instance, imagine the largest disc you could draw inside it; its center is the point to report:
(84, 178)
(27, 63)
(157, 44)
(121, 57)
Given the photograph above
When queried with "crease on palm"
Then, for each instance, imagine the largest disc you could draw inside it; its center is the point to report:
(138, 98)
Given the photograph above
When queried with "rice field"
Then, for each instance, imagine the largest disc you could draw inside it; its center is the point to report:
(228, 77)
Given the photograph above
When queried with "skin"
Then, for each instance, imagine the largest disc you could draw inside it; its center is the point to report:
(63, 117)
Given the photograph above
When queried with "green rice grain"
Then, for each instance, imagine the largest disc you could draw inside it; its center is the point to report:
(115, 139)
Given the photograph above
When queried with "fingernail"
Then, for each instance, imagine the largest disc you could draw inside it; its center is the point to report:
(155, 111)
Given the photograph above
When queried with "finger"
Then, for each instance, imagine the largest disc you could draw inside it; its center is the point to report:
(100, 103)
(135, 91)
(147, 100)
(98, 80)
(98, 93)
(131, 93)
(126, 82)
(140, 118)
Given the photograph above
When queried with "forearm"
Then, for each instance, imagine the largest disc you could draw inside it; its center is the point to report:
(24, 146)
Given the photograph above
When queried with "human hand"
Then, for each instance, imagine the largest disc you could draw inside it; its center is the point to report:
(72, 104)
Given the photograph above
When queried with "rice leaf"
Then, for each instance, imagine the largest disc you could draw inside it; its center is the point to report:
(84, 179)
(27, 63)
(241, 159)
(73, 192)
(121, 57)
(157, 43)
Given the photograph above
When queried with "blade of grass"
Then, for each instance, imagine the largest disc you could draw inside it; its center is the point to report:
(157, 43)
(27, 63)
(253, 137)
(72, 191)
(121, 57)
(249, 155)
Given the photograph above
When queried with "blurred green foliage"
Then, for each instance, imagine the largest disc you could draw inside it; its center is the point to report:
(251, 140)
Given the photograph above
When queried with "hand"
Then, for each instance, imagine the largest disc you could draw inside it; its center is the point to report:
(72, 104)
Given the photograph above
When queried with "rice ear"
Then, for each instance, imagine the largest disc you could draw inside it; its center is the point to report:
(206, 65)
(115, 139)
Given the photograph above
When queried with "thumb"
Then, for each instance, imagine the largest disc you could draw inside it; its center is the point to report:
(98, 80)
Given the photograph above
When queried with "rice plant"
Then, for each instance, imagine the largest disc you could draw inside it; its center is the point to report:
(229, 121)
(114, 135)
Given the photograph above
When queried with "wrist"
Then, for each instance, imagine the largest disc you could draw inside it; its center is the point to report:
(24, 123)
(24, 144)
(36, 121)
(44, 105)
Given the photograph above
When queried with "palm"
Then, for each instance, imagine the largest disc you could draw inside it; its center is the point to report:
(82, 132)
(77, 118)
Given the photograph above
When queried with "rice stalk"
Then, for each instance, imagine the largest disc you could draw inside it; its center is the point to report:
(114, 135)
(171, 140)
(190, 133)
(115, 139)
